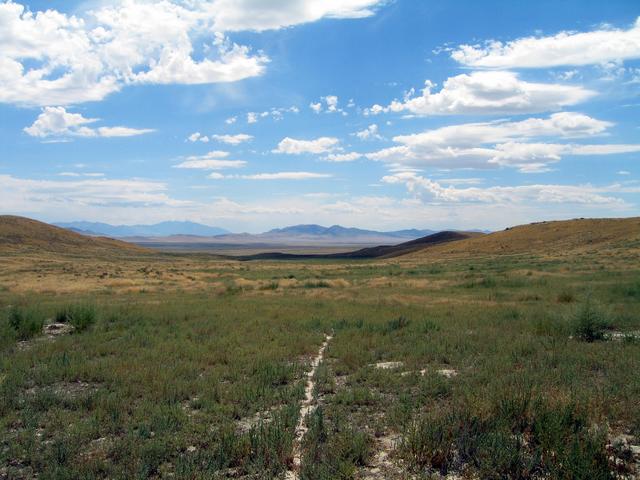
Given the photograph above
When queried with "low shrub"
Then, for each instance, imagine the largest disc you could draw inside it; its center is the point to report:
(566, 297)
(81, 316)
(26, 322)
(397, 324)
(589, 323)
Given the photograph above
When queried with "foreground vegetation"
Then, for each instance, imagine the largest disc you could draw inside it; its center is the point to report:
(521, 366)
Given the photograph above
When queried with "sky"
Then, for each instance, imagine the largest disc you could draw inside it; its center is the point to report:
(380, 114)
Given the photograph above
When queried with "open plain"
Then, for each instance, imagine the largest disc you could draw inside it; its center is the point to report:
(509, 355)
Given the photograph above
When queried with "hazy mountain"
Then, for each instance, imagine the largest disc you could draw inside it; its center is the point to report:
(338, 231)
(162, 229)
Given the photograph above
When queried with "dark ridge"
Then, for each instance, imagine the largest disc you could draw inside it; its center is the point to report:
(382, 251)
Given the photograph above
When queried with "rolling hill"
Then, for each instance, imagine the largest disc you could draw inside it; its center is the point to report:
(382, 251)
(19, 234)
(553, 237)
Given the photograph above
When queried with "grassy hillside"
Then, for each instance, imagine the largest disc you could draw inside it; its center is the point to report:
(19, 234)
(557, 237)
(382, 251)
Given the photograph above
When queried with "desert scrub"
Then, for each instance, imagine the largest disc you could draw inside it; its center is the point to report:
(518, 439)
(26, 322)
(397, 324)
(589, 323)
(81, 316)
(333, 451)
(316, 284)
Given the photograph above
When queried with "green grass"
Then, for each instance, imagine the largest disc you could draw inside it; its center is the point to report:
(25, 321)
(205, 383)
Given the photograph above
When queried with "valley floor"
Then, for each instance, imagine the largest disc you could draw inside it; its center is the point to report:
(184, 366)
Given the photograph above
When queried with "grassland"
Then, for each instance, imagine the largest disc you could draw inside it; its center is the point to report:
(469, 359)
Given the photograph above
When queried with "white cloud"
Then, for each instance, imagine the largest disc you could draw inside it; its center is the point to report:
(624, 172)
(330, 105)
(542, 194)
(52, 58)
(76, 174)
(198, 137)
(488, 93)
(369, 133)
(274, 113)
(565, 48)
(56, 195)
(295, 147)
(286, 176)
(214, 160)
(211, 164)
(500, 143)
(232, 139)
(316, 107)
(231, 120)
(57, 122)
(235, 15)
(142, 201)
(343, 157)
(272, 176)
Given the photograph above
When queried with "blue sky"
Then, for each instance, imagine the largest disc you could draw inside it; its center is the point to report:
(254, 114)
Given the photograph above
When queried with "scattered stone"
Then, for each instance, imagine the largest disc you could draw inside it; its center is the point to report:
(69, 390)
(244, 425)
(191, 449)
(387, 365)
(448, 372)
(55, 329)
(616, 335)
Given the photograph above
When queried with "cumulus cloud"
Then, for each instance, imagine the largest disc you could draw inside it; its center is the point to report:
(327, 104)
(565, 48)
(369, 133)
(52, 58)
(57, 122)
(490, 92)
(232, 139)
(293, 146)
(198, 137)
(273, 113)
(543, 194)
(501, 143)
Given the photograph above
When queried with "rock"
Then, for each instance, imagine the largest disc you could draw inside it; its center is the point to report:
(448, 372)
(387, 365)
(191, 449)
(56, 329)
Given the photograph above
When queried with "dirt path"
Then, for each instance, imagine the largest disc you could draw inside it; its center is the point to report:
(306, 407)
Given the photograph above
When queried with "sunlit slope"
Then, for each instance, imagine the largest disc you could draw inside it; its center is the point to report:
(541, 238)
(19, 234)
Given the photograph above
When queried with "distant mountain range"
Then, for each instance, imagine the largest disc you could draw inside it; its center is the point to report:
(337, 231)
(190, 233)
(162, 229)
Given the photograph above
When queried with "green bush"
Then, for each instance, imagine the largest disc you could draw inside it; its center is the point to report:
(566, 297)
(589, 323)
(26, 322)
(81, 316)
(397, 324)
